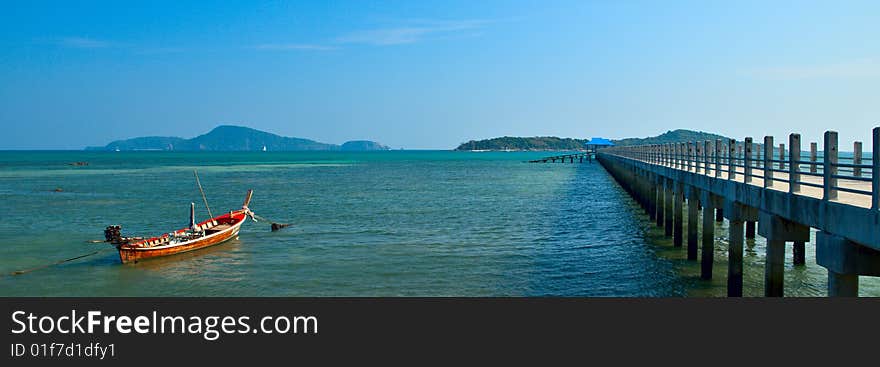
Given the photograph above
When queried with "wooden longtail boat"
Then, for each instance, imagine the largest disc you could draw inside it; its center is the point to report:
(199, 235)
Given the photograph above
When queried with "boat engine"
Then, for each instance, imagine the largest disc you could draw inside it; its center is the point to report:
(113, 234)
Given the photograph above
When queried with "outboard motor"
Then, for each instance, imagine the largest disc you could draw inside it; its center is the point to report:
(113, 234)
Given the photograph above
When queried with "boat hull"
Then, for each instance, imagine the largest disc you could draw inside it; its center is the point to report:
(136, 254)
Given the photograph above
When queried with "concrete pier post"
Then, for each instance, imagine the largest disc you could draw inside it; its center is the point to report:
(829, 184)
(813, 157)
(690, 156)
(693, 215)
(794, 156)
(707, 151)
(731, 159)
(708, 253)
(735, 251)
(758, 160)
(768, 165)
(667, 205)
(678, 225)
(750, 229)
(857, 158)
(777, 231)
(843, 285)
(781, 156)
(747, 159)
(718, 157)
(659, 202)
(773, 268)
(875, 170)
(799, 253)
(651, 195)
(845, 261)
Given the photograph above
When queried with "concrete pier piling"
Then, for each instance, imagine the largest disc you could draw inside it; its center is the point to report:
(779, 196)
(658, 210)
(678, 220)
(667, 205)
(735, 253)
(707, 258)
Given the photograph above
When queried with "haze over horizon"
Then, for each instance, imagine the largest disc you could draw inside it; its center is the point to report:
(432, 75)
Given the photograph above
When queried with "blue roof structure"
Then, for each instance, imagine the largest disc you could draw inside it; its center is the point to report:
(602, 142)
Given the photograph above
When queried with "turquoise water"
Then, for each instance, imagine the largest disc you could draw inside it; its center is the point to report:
(394, 223)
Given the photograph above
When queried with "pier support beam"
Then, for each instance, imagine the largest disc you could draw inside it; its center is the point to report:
(667, 206)
(777, 231)
(693, 217)
(678, 222)
(719, 215)
(845, 261)
(708, 253)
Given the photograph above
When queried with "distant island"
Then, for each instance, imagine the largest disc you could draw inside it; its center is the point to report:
(552, 143)
(517, 143)
(234, 138)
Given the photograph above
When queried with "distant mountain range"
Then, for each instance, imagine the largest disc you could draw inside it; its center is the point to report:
(235, 138)
(552, 143)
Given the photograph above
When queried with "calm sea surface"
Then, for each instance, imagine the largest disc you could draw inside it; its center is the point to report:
(395, 223)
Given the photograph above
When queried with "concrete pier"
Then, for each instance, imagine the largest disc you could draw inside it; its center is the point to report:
(781, 198)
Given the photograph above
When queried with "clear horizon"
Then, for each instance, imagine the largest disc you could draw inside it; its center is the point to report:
(432, 75)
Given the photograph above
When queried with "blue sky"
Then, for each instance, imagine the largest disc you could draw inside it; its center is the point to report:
(430, 75)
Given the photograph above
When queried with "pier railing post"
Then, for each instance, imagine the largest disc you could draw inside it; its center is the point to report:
(813, 157)
(829, 183)
(758, 156)
(768, 165)
(875, 170)
(697, 156)
(681, 147)
(718, 157)
(857, 158)
(731, 159)
(747, 159)
(794, 156)
(781, 156)
(690, 153)
(706, 149)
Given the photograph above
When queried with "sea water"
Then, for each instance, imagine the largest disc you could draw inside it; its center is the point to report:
(389, 223)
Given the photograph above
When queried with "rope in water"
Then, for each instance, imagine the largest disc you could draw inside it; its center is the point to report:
(24, 271)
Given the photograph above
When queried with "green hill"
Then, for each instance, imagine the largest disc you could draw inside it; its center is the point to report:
(672, 136)
(234, 138)
(517, 143)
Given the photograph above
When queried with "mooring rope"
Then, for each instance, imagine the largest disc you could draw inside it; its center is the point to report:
(24, 271)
